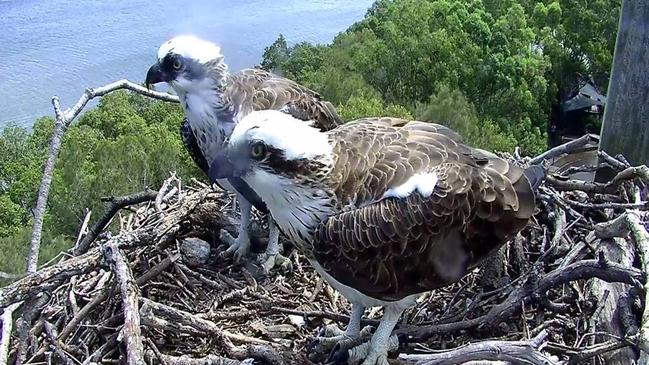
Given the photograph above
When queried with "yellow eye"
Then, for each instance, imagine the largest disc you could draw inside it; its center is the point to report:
(177, 64)
(258, 151)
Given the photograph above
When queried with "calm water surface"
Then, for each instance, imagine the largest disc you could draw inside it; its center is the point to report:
(60, 47)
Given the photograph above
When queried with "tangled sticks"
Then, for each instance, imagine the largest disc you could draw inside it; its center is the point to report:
(568, 289)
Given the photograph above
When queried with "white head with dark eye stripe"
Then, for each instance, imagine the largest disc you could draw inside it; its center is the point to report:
(275, 143)
(286, 162)
(187, 64)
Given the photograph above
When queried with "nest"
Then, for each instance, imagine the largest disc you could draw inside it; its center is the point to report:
(567, 289)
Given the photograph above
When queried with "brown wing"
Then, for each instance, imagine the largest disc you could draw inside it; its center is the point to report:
(256, 89)
(393, 247)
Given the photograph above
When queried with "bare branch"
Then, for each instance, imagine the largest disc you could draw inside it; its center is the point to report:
(630, 173)
(516, 352)
(564, 148)
(5, 338)
(62, 122)
(585, 269)
(131, 334)
(115, 205)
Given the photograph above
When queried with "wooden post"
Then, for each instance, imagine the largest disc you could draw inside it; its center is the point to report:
(625, 129)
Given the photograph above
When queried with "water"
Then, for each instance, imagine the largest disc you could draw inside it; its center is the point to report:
(60, 47)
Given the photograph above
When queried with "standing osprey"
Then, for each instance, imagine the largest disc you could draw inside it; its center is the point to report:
(215, 100)
(385, 209)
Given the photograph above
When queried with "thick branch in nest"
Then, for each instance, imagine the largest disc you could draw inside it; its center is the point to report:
(515, 352)
(564, 148)
(7, 324)
(630, 173)
(129, 292)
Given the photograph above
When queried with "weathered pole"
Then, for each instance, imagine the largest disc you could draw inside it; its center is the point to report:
(625, 128)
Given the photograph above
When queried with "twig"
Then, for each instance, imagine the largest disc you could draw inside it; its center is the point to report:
(116, 203)
(129, 290)
(7, 324)
(516, 352)
(56, 346)
(9, 276)
(84, 228)
(186, 360)
(630, 173)
(163, 190)
(564, 148)
(62, 122)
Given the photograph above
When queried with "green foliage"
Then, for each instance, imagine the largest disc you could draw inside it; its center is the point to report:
(452, 109)
(508, 58)
(359, 106)
(14, 250)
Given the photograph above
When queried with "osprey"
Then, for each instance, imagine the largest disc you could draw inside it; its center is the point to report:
(215, 100)
(384, 209)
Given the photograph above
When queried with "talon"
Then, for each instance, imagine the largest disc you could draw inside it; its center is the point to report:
(239, 247)
(270, 261)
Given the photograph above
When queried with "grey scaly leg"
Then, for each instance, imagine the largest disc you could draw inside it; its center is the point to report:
(273, 256)
(241, 245)
(332, 335)
(381, 343)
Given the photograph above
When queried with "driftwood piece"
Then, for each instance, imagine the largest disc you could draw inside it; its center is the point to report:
(7, 324)
(129, 291)
(515, 352)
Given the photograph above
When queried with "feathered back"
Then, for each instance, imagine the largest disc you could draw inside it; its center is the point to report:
(418, 207)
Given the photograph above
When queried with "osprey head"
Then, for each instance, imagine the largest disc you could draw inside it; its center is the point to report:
(184, 62)
(269, 145)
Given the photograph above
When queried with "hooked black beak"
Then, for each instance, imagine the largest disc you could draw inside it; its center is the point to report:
(222, 167)
(155, 75)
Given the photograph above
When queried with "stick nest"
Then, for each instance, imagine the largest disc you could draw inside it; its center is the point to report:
(567, 289)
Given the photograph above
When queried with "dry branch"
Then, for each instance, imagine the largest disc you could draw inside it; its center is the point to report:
(129, 291)
(516, 352)
(565, 148)
(7, 324)
(116, 203)
(63, 119)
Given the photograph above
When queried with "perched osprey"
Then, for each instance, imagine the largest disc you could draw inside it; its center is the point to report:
(385, 209)
(215, 100)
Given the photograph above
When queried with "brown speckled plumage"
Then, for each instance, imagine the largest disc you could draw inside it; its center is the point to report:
(389, 248)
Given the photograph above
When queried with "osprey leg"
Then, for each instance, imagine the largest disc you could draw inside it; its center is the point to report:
(273, 256)
(241, 245)
(331, 337)
(376, 351)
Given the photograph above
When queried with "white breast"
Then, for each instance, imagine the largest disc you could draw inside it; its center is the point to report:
(293, 206)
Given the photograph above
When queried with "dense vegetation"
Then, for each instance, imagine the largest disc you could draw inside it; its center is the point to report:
(490, 69)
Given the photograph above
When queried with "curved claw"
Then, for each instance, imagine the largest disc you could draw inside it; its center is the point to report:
(268, 262)
(239, 247)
